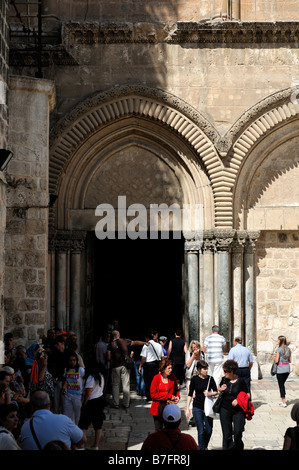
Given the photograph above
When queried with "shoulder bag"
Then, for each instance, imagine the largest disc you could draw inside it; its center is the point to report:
(34, 435)
(209, 404)
(218, 402)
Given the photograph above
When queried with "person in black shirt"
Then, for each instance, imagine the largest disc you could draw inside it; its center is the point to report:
(203, 385)
(177, 350)
(232, 417)
(291, 437)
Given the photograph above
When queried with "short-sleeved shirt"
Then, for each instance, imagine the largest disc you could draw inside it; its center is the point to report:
(74, 381)
(97, 389)
(119, 350)
(49, 427)
(164, 439)
(7, 440)
(241, 355)
(153, 352)
(214, 343)
(283, 362)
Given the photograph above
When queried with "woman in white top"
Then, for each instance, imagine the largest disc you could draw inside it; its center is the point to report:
(92, 410)
(8, 423)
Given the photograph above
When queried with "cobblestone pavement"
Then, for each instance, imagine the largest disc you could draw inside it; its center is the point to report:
(126, 429)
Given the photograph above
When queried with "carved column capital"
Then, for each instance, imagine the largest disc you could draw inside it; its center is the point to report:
(64, 241)
(252, 237)
(224, 240)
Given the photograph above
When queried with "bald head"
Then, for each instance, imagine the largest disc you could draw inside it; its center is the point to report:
(40, 400)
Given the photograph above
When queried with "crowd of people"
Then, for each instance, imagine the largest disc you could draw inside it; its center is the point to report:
(50, 393)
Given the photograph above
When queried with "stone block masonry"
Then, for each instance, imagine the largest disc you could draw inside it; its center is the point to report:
(26, 254)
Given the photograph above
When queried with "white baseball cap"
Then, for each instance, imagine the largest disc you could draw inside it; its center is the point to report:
(171, 413)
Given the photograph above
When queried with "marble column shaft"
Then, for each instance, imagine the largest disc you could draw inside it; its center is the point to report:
(193, 293)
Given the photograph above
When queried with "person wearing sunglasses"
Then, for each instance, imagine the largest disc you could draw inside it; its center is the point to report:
(232, 416)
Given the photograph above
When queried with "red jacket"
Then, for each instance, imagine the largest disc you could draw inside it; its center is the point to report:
(158, 396)
(245, 403)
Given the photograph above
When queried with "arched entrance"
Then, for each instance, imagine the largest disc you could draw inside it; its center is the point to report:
(146, 161)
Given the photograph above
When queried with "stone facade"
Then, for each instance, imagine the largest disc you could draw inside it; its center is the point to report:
(178, 102)
(3, 144)
(26, 240)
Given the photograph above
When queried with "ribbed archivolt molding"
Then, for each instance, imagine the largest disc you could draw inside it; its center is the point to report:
(259, 128)
(95, 113)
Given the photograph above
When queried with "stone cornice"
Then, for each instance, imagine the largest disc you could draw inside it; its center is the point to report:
(217, 32)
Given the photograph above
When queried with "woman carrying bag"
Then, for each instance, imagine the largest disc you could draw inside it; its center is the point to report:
(164, 389)
(204, 386)
(283, 358)
(232, 416)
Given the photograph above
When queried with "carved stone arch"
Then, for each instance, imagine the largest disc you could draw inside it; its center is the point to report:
(265, 117)
(114, 112)
(266, 191)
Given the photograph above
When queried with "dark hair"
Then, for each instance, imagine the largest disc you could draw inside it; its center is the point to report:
(55, 445)
(59, 339)
(3, 374)
(201, 364)
(71, 353)
(230, 365)
(95, 369)
(6, 409)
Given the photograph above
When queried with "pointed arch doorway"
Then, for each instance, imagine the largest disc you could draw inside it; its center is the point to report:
(148, 152)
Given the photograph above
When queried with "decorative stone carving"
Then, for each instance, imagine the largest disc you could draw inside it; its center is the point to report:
(65, 241)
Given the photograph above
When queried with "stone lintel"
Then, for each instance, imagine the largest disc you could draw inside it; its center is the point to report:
(209, 32)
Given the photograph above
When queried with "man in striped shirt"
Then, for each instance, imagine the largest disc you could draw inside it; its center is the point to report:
(215, 345)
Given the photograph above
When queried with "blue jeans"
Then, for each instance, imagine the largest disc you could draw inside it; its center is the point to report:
(204, 426)
(140, 387)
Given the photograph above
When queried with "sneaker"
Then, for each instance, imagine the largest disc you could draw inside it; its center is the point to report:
(283, 405)
(114, 406)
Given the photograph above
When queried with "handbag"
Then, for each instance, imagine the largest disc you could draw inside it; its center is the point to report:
(129, 363)
(208, 404)
(274, 368)
(218, 403)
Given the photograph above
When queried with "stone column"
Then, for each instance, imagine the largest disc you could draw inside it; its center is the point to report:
(61, 288)
(77, 245)
(249, 291)
(236, 9)
(208, 309)
(237, 283)
(224, 240)
(192, 249)
(224, 8)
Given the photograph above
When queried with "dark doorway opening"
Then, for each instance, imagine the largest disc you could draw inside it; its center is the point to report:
(139, 283)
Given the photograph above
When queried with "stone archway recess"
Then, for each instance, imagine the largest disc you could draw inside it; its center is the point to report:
(221, 157)
(153, 105)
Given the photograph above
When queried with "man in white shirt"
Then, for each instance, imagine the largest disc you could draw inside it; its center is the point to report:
(215, 345)
(151, 356)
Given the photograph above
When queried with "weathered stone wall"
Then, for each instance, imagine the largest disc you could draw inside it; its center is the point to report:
(3, 71)
(221, 69)
(277, 291)
(172, 10)
(30, 101)
(3, 143)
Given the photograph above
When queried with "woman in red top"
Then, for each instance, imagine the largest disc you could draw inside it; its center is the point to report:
(164, 387)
